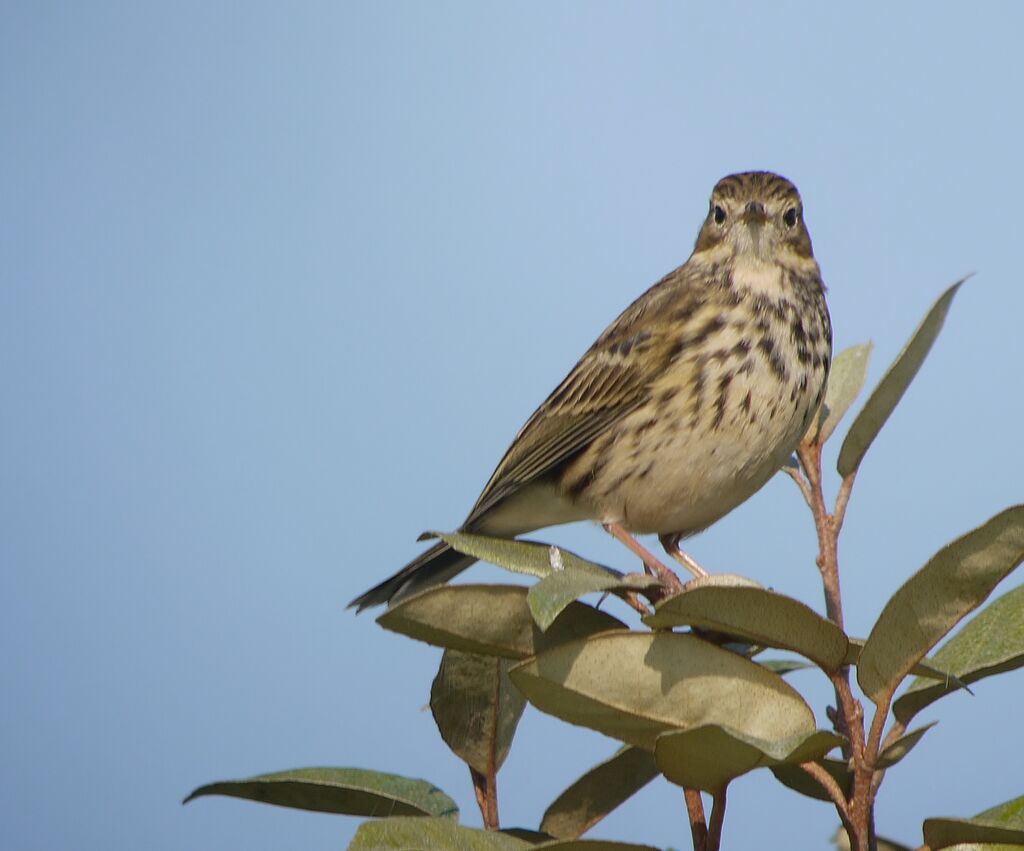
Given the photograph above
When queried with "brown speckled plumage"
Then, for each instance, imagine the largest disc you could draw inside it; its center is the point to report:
(686, 404)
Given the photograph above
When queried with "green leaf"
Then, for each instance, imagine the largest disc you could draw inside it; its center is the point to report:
(991, 643)
(984, 846)
(842, 842)
(711, 756)
(923, 669)
(757, 615)
(598, 792)
(476, 708)
(902, 746)
(549, 597)
(405, 834)
(493, 620)
(633, 686)
(534, 837)
(1002, 823)
(784, 666)
(845, 380)
(530, 557)
(893, 385)
(795, 778)
(593, 845)
(1007, 814)
(349, 791)
(952, 584)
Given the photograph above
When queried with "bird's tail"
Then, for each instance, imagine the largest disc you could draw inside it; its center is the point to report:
(434, 567)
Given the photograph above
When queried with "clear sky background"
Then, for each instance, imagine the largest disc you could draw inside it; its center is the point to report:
(279, 282)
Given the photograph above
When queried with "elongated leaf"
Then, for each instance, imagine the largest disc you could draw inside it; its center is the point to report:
(476, 708)
(924, 669)
(1002, 823)
(349, 791)
(893, 385)
(757, 615)
(593, 845)
(845, 380)
(530, 557)
(1007, 814)
(795, 778)
(405, 834)
(842, 842)
(993, 642)
(902, 746)
(952, 584)
(784, 666)
(633, 686)
(598, 792)
(535, 837)
(549, 597)
(493, 620)
(711, 756)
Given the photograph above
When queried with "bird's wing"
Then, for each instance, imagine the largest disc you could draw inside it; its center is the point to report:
(611, 380)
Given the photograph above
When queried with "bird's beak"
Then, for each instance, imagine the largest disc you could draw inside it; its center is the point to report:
(754, 214)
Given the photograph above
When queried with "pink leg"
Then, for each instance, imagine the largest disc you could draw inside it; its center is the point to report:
(671, 545)
(653, 566)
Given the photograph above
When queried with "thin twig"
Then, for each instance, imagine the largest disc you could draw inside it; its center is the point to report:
(698, 825)
(874, 741)
(717, 820)
(801, 482)
(850, 722)
(862, 752)
(842, 500)
(830, 785)
(810, 460)
(486, 798)
(897, 729)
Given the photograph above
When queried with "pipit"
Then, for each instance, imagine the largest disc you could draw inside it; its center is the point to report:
(687, 403)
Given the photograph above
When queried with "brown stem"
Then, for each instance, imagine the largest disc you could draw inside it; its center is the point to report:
(717, 820)
(486, 798)
(695, 812)
(824, 524)
(485, 785)
(842, 500)
(898, 729)
(831, 787)
(862, 752)
(802, 483)
(849, 715)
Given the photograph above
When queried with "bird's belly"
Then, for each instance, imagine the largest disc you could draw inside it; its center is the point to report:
(698, 461)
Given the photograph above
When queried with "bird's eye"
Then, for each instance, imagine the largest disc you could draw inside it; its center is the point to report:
(719, 214)
(790, 217)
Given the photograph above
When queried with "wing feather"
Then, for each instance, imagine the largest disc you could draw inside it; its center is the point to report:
(608, 383)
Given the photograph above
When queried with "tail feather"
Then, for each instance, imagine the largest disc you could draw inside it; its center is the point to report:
(434, 567)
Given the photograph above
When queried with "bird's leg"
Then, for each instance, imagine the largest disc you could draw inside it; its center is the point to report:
(671, 545)
(651, 564)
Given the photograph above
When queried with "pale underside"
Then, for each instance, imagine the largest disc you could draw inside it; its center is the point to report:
(712, 444)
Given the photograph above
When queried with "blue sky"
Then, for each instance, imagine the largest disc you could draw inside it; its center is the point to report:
(279, 284)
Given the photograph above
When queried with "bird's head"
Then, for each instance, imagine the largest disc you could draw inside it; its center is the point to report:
(757, 214)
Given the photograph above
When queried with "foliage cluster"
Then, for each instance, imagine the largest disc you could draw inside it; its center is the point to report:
(687, 691)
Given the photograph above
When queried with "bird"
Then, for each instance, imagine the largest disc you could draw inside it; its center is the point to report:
(684, 407)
